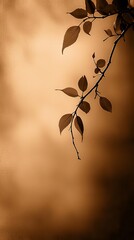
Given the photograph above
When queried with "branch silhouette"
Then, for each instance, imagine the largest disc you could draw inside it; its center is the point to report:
(124, 13)
(95, 87)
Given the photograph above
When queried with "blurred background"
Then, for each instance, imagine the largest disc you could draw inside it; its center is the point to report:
(45, 192)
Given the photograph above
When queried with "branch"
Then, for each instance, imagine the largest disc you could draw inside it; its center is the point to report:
(109, 62)
(96, 86)
(72, 135)
(99, 17)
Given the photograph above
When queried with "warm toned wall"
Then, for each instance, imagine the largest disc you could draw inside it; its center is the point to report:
(45, 192)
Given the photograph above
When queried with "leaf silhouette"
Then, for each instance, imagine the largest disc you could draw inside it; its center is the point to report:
(82, 83)
(70, 36)
(128, 18)
(79, 13)
(108, 32)
(72, 92)
(101, 5)
(87, 27)
(79, 125)
(96, 70)
(110, 9)
(101, 63)
(93, 56)
(85, 106)
(64, 121)
(117, 25)
(90, 6)
(105, 104)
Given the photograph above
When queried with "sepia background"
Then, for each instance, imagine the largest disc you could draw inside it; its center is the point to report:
(45, 192)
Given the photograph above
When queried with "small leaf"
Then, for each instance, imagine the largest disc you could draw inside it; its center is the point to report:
(90, 6)
(72, 92)
(85, 106)
(64, 121)
(108, 32)
(70, 36)
(87, 27)
(93, 56)
(79, 13)
(101, 63)
(79, 125)
(105, 104)
(82, 83)
(97, 70)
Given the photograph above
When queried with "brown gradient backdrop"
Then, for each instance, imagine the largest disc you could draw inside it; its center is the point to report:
(45, 192)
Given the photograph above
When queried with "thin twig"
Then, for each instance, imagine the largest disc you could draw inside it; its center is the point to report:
(96, 17)
(73, 139)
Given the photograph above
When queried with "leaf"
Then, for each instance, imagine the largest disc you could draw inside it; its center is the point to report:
(105, 104)
(128, 18)
(110, 9)
(117, 25)
(120, 24)
(101, 63)
(101, 5)
(79, 125)
(82, 83)
(90, 6)
(72, 92)
(93, 56)
(108, 32)
(64, 121)
(79, 13)
(70, 36)
(97, 70)
(123, 25)
(85, 106)
(87, 27)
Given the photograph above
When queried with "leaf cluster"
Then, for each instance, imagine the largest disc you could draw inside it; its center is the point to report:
(84, 106)
(123, 11)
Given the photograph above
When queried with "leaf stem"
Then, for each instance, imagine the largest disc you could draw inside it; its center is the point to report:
(72, 136)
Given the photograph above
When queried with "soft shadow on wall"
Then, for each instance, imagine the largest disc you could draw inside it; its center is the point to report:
(113, 161)
(45, 192)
